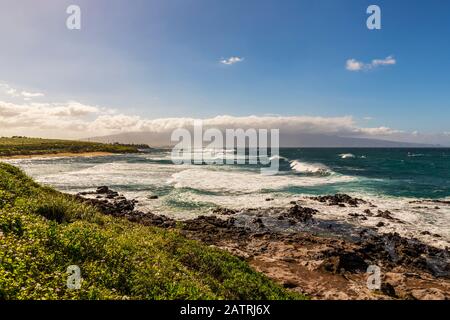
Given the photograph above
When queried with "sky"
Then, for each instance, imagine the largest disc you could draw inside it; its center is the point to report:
(154, 65)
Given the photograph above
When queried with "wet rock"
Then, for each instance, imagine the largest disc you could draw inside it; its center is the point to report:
(339, 200)
(112, 195)
(224, 211)
(299, 213)
(257, 220)
(384, 214)
(102, 190)
(359, 216)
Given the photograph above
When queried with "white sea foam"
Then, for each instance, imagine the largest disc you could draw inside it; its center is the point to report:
(416, 155)
(415, 218)
(229, 186)
(305, 167)
(246, 182)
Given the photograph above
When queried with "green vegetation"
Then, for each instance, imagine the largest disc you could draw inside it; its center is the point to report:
(36, 146)
(42, 232)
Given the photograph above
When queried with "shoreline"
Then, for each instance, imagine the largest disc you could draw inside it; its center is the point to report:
(319, 263)
(59, 155)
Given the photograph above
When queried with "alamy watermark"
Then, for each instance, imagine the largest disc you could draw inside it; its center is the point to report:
(374, 278)
(374, 20)
(73, 21)
(74, 277)
(238, 146)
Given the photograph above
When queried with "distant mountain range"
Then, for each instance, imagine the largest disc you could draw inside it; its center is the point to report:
(286, 140)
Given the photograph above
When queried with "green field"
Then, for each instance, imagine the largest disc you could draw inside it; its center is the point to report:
(42, 232)
(36, 146)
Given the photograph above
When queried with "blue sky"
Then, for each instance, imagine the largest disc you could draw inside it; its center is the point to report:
(159, 59)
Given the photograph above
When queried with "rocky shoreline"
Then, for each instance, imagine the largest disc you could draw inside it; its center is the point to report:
(323, 259)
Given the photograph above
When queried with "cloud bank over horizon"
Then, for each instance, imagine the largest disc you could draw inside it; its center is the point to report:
(75, 120)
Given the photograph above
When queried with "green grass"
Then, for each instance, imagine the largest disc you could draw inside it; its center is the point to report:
(42, 232)
(36, 146)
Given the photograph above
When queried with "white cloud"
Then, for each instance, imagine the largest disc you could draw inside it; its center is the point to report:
(355, 65)
(31, 94)
(231, 60)
(8, 90)
(384, 62)
(26, 95)
(73, 119)
(379, 131)
(80, 120)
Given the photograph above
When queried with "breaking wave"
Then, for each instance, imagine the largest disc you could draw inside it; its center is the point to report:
(347, 156)
(310, 168)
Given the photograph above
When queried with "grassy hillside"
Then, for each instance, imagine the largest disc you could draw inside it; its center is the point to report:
(42, 232)
(35, 146)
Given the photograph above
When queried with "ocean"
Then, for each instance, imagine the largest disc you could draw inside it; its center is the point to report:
(392, 179)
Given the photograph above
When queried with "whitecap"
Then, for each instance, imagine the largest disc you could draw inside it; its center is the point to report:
(277, 157)
(310, 168)
(245, 181)
(347, 156)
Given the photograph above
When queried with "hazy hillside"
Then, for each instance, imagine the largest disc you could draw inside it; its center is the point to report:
(286, 140)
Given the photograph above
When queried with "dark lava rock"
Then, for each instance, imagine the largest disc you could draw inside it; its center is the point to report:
(119, 206)
(380, 224)
(385, 214)
(102, 190)
(339, 200)
(112, 195)
(388, 289)
(259, 222)
(290, 284)
(152, 197)
(356, 215)
(395, 250)
(269, 199)
(302, 214)
(224, 211)
(344, 262)
(150, 219)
